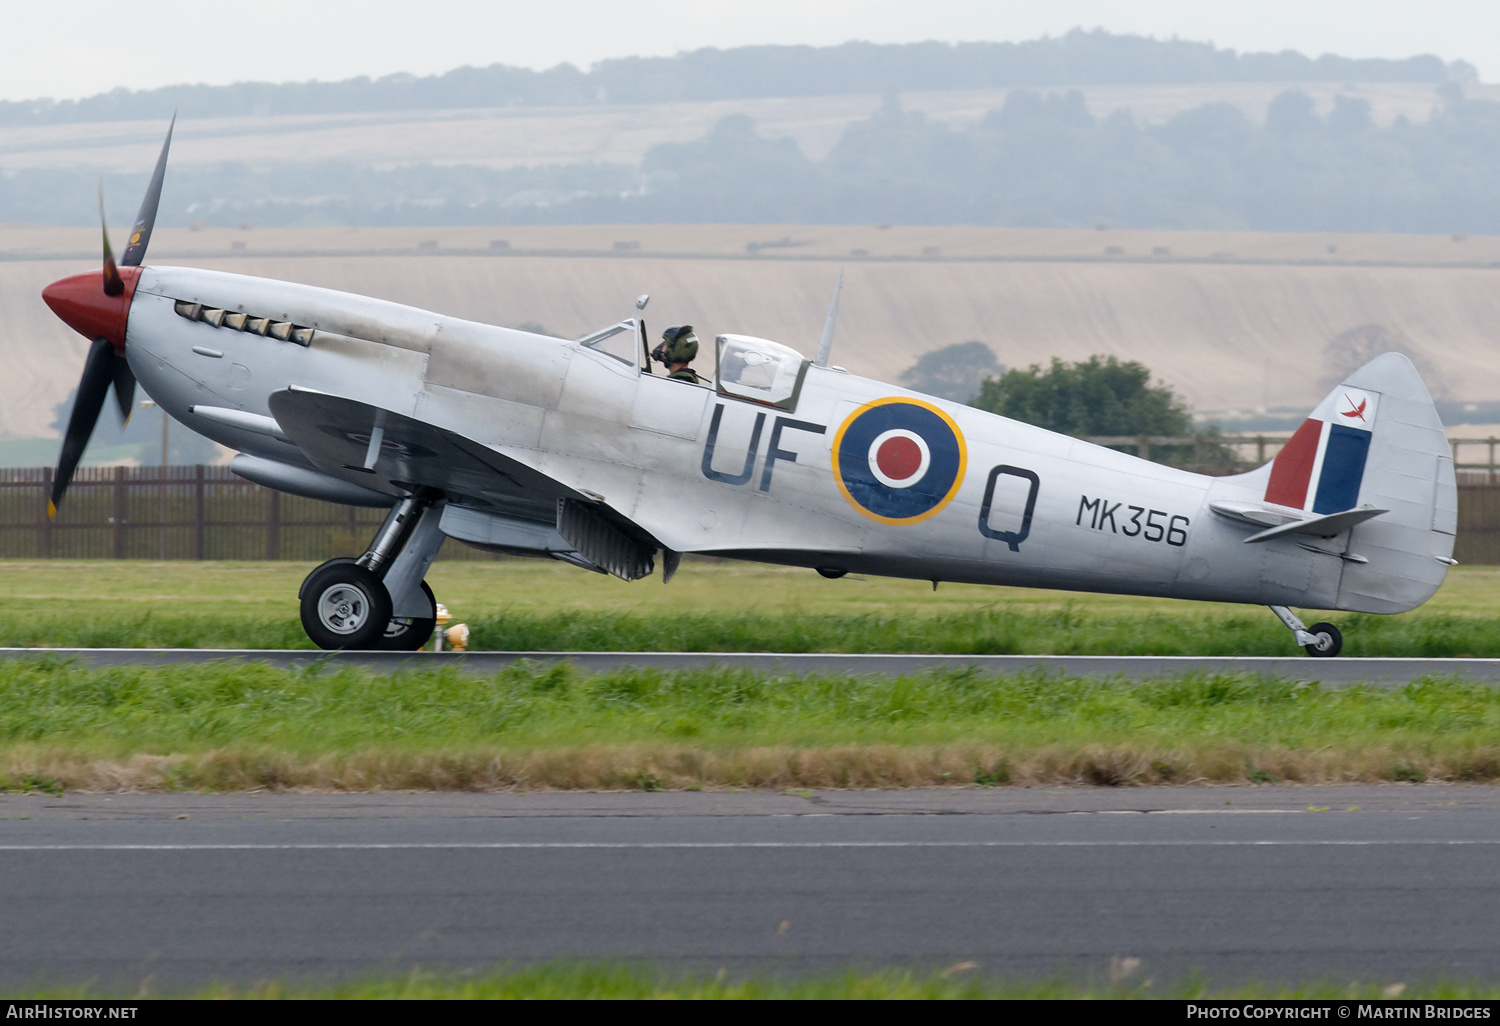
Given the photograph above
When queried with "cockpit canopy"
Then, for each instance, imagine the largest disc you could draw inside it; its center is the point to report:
(760, 371)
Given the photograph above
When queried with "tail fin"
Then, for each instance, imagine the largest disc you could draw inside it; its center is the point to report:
(1376, 440)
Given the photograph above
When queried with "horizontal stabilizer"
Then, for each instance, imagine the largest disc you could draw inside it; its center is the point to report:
(1320, 527)
(1258, 514)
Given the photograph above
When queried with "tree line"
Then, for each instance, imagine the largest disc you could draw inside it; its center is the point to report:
(1046, 161)
(1039, 160)
(1077, 58)
(1100, 396)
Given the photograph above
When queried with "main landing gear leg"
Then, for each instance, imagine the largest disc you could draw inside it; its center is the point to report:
(378, 601)
(1321, 639)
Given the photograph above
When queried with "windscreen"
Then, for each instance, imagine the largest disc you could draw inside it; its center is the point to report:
(617, 340)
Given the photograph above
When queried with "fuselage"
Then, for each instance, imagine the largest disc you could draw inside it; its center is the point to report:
(848, 475)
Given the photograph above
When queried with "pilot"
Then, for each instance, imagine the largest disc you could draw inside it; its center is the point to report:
(678, 348)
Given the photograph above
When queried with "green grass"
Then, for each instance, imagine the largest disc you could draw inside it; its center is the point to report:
(237, 726)
(607, 981)
(538, 606)
(234, 726)
(1071, 629)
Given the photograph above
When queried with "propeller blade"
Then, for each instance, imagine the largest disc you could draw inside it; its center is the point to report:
(114, 285)
(140, 235)
(98, 375)
(124, 382)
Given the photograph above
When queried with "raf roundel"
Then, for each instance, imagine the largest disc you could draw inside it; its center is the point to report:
(898, 461)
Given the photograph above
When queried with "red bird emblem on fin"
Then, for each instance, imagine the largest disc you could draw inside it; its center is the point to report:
(1356, 411)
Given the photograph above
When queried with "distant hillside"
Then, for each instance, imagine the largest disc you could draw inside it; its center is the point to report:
(1076, 59)
(1037, 160)
(1263, 324)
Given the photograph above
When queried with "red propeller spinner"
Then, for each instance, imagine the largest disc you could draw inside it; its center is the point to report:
(89, 309)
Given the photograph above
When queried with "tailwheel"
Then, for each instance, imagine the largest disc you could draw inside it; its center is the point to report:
(1321, 640)
(345, 606)
(1327, 640)
(410, 633)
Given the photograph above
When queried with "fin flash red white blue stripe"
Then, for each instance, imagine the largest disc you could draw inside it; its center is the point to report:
(1321, 467)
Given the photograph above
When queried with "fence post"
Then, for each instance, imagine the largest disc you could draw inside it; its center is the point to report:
(120, 508)
(44, 525)
(198, 512)
(273, 526)
(161, 512)
(1143, 447)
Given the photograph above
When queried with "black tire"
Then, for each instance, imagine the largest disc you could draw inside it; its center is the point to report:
(407, 634)
(302, 591)
(344, 606)
(1332, 641)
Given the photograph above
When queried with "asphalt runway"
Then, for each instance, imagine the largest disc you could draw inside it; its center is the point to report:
(1385, 884)
(1393, 672)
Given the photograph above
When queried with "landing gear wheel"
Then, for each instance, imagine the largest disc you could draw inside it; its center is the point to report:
(302, 591)
(1329, 642)
(344, 606)
(409, 633)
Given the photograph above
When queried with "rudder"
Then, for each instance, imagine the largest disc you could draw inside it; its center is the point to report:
(1376, 440)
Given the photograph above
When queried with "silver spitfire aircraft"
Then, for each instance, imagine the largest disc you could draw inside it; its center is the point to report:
(522, 443)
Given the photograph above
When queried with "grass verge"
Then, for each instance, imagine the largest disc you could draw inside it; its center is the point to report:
(529, 605)
(229, 727)
(1071, 629)
(963, 981)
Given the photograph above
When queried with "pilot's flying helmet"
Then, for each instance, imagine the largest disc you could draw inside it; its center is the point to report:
(678, 345)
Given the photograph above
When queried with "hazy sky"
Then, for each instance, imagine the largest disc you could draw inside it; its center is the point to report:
(69, 48)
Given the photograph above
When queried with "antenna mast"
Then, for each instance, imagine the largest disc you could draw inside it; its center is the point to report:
(825, 345)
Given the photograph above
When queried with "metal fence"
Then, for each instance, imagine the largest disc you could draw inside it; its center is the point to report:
(209, 513)
(1475, 472)
(1478, 525)
(178, 513)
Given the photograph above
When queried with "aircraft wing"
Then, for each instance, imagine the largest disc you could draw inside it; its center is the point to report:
(335, 434)
(391, 453)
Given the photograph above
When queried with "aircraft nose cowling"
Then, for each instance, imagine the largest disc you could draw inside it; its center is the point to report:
(82, 304)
